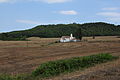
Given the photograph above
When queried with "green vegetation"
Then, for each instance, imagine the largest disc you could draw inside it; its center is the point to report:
(50, 31)
(53, 68)
(17, 77)
(7, 37)
(78, 34)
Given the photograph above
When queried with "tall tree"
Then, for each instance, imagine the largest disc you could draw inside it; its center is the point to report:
(78, 33)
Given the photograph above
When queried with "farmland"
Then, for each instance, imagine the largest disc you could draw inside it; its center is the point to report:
(25, 56)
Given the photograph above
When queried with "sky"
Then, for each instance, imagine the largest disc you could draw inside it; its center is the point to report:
(26, 14)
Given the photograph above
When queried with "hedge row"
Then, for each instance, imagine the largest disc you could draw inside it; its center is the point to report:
(53, 68)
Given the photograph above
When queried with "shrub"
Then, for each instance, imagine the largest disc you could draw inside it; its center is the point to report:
(6, 77)
(53, 68)
(17, 77)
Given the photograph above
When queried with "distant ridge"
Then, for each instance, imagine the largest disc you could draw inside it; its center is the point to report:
(58, 30)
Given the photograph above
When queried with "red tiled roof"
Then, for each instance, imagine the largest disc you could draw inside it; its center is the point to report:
(64, 37)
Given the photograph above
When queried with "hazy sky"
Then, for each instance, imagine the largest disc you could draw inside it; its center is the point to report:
(25, 14)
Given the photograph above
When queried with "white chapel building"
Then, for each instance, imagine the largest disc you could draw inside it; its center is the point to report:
(68, 39)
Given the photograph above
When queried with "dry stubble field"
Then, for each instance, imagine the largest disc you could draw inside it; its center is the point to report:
(24, 56)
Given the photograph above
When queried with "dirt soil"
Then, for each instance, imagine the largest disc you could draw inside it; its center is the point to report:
(16, 57)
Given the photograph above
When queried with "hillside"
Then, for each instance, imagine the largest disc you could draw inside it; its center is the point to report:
(50, 31)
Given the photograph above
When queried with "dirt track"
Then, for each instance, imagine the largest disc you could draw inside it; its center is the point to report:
(15, 60)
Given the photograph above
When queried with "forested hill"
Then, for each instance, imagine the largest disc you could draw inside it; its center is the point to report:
(48, 31)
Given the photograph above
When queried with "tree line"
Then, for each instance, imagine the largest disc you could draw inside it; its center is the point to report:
(58, 30)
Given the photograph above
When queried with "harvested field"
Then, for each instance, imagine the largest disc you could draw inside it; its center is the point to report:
(24, 56)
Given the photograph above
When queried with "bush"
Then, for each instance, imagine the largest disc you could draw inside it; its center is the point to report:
(53, 68)
(17, 77)
(6, 77)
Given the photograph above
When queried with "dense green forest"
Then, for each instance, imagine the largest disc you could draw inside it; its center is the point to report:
(58, 30)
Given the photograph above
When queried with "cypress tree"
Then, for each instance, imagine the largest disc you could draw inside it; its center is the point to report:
(78, 33)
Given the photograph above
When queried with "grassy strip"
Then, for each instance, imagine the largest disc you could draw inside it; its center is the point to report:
(18, 77)
(53, 68)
